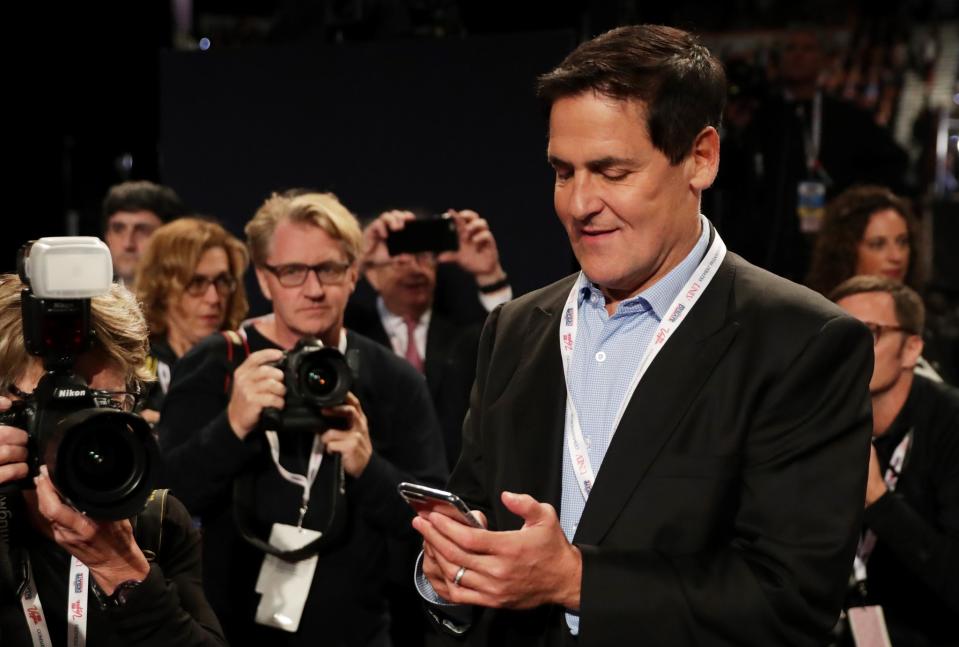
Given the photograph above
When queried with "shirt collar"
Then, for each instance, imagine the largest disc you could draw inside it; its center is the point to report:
(659, 296)
(393, 321)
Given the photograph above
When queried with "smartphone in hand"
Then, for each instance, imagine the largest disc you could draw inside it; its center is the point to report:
(426, 499)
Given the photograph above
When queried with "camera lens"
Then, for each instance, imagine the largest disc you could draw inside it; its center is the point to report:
(102, 458)
(319, 381)
(104, 462)
(322, 376)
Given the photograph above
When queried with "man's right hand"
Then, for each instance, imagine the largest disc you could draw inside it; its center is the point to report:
(13, 450)
(256, 385)
(376, 233)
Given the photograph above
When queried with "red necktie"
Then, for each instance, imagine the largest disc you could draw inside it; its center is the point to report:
(412, 354)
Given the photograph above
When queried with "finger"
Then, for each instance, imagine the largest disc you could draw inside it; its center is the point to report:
(269, 401)
(12, 454)
(523, 505)
(265, 372)
(467, 538)
(261, 357)
(268, 386)
(447, 257)
(13, 472)
(55, 511)
(475, 227)
(5, 403)
(479, 516)
(12, 436)
(446, 549)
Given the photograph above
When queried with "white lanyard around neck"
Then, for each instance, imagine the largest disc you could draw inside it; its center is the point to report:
(316, 457)
(305, 482)
(676, 314)
(78, 587)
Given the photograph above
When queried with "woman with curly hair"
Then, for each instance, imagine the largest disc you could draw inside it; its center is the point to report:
(190, 284)
(866, 230)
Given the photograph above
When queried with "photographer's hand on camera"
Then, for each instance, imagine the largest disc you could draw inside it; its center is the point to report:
(107, 548)
(13, 450)
(478, 253)
(353, 443)
(257, 384)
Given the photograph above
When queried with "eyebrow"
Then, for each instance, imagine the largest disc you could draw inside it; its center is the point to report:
(595, 166)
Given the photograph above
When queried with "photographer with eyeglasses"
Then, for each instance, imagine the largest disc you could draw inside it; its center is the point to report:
(290, 436)
(190, 283)
(69, 577)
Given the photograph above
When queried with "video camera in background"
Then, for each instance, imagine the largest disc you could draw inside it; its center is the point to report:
(101, 458)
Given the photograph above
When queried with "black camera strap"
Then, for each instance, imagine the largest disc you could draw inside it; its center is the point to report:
(244, 493)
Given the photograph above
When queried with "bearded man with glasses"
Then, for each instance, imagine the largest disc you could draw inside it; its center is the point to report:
(908, 557)
(304, 248)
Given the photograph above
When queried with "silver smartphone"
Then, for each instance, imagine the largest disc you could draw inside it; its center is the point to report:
(426, 499)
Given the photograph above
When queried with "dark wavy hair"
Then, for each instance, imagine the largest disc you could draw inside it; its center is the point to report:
(836, 250)
(682, 85)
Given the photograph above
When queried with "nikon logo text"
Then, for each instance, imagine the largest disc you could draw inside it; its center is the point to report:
(70, 393)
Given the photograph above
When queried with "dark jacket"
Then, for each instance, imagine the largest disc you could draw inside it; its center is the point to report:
(728, 503)
(913, 571)
(346, 605)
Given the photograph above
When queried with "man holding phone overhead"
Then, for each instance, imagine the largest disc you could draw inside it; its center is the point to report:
(666, 448)
(401, 256)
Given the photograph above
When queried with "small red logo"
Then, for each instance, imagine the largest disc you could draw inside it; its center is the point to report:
(660, 335)
(568, 341)
(35, 616)
(77, 609)
(693, 289)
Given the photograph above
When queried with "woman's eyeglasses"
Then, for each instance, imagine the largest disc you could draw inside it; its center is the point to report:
(199, 284)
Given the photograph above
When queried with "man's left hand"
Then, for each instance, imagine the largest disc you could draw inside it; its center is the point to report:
(106, 547)
(478, 253)
(353, 443)
(518, 569)
(876, 486)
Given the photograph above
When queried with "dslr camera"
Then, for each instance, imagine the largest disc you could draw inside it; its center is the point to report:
(316, 376)
(102, 459)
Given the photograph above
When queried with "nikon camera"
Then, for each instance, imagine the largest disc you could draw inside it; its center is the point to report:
(102, 460)
(316, 376)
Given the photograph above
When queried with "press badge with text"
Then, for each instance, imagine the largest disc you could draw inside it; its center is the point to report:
(284, 585)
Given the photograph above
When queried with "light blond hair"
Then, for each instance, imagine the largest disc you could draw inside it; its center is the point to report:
(170, 259)
(322, 210)
(120, 334)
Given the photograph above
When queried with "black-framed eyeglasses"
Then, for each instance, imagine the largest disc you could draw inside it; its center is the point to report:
(198, 285)
(126, 401)
(293, 275)
(878, 329)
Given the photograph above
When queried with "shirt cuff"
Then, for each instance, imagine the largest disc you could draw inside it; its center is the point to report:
(492, 299)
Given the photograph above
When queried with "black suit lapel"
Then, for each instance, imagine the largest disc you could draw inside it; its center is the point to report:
(662, 397)
(540, 408)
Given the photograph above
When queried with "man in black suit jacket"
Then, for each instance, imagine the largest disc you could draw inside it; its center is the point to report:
(722, 509)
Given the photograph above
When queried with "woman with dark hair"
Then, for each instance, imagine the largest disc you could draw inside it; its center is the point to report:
(190, 284)
(866, 230)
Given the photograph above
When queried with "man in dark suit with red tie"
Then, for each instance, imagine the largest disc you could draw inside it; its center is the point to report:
(666, 448)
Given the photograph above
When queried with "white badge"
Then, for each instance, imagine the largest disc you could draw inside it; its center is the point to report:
(868, 626)
(285, 585)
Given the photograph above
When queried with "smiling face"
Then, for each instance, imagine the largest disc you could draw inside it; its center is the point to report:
(190, 317)
(630, 215)
(884, 248)
(312, 308)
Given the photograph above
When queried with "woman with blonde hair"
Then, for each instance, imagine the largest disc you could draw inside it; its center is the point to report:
(190, 284)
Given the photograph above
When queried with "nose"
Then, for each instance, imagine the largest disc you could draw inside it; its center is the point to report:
(129, 240)
(313, 287)
(583, 200)
(210, 295)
